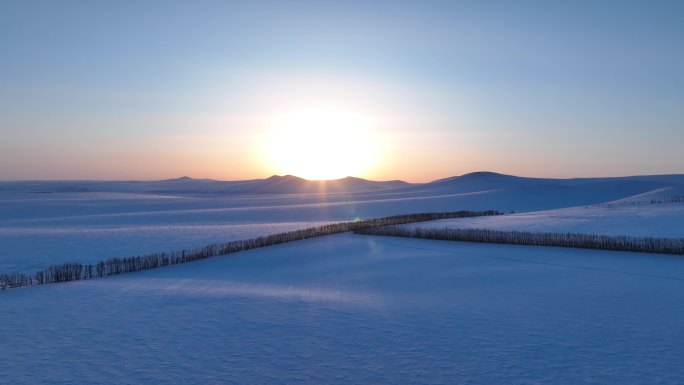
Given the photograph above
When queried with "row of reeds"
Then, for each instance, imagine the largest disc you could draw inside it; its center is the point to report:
(586, 241)
(119, 265)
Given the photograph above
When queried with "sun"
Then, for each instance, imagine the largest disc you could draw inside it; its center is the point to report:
(321, 144)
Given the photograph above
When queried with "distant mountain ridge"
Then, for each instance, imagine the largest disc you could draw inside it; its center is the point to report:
(487, 180)
(483, 181)
(276, 184)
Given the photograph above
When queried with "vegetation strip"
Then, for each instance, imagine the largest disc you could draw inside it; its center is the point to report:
(576, 240)
(119, 265)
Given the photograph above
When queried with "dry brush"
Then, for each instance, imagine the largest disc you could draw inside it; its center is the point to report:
(119, 265)
(586, 241)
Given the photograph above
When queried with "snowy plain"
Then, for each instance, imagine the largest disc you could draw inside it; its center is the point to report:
(44, 223)
(344, 308)
(665, 220)
(359, 309)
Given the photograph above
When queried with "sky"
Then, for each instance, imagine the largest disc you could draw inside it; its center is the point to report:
(412, 90)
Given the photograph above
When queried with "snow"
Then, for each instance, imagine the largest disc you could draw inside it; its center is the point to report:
(47, 223)
(29, 249)
(344, 308)
(643, 220)
(359, 309)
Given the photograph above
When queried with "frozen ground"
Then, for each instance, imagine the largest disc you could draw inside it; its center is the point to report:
(644, 220)
(43, 223)
(358, 309)
(29, 249)
(346, 308)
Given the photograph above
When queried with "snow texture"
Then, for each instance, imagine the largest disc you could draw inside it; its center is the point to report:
(664, 220)
(44, 223)
(359, 309)
(345, 308)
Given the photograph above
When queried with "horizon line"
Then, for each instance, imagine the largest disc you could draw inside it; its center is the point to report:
(332, 180)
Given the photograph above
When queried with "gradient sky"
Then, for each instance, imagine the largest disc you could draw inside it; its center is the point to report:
(151, 90)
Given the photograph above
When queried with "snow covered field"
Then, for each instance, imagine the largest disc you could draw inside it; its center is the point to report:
(644, 220)
(58, 228)
(43, 223)
(344, 308)
(359, 309)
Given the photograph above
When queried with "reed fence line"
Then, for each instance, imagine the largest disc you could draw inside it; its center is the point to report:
(119, 265)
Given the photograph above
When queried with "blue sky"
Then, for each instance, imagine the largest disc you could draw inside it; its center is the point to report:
(146, 90)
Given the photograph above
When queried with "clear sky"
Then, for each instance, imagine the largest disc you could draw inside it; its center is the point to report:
(413, 90)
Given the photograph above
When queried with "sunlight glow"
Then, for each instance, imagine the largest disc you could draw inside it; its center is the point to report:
(321, 143)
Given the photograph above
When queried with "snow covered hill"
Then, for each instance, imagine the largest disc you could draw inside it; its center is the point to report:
(345, 308)
(39, 225)
(287, 184)
(474, 182)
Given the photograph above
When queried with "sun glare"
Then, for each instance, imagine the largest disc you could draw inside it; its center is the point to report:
(321, 144)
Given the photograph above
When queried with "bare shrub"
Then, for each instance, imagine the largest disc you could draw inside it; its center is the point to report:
(586, 241)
